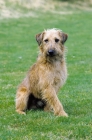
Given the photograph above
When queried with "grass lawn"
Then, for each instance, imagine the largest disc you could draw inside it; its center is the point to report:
(18, 51)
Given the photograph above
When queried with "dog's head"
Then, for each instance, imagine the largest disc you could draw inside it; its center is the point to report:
(51, 42)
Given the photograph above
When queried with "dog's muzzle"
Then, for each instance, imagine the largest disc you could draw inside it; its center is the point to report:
(51, 52)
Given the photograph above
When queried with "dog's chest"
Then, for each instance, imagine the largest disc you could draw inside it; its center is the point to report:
(55, 75)
(60, 75)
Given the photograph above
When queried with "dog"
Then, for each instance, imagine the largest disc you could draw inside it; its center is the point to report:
(44, 79)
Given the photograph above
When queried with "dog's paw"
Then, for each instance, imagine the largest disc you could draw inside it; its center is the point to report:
(21, 112)
(62, 114)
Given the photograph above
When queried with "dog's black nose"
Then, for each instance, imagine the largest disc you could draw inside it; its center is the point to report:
(51, 52)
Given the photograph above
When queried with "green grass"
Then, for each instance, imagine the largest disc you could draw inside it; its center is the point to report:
(18, 51)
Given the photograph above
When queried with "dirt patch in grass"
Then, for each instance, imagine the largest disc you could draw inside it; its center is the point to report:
(26, 8)
(11, 9)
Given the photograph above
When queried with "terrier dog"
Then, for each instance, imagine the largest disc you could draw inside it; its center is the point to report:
(46, 76)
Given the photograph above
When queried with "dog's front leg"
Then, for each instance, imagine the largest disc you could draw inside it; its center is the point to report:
(47, 107)
(51, 97)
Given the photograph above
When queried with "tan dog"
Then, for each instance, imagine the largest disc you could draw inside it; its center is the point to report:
(46, 76)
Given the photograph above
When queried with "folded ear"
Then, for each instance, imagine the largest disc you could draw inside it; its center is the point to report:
(64, 37)
(39, 38)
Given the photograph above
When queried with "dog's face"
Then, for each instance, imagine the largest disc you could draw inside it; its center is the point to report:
(51, 42)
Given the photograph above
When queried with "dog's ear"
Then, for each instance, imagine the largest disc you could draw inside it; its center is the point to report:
(64, 37)
(39, 38)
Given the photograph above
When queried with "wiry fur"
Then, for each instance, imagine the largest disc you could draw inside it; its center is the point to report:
(47, 75)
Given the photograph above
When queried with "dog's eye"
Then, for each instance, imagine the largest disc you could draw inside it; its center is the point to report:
(46, 40)
(56, 40)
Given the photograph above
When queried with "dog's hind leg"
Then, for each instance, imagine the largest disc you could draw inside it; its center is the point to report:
(22, 99)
